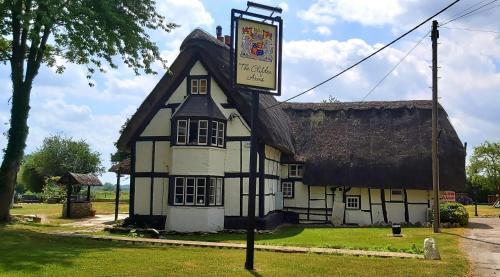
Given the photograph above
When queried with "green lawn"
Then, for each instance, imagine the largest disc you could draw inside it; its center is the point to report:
(483, 210)
(23, 252)
(52, 212)
(352, 238)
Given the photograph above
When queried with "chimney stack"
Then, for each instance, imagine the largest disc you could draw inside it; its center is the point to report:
(227, 40)
(218, 33)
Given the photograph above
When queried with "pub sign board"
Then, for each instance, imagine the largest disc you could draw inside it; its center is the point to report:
(256, 52)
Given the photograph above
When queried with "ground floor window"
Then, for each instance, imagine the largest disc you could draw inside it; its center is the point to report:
(193, 191)
(353, 202)
(287, 189)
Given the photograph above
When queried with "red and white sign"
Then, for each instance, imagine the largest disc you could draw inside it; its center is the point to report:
(447, 196)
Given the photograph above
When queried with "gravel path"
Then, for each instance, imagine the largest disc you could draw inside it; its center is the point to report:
(482, 244)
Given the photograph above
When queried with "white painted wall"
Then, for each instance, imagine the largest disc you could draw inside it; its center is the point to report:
(197, 160)
(195, 219)
(142, 196)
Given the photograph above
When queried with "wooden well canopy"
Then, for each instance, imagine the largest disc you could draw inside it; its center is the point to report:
(79, 179)
(122, 167)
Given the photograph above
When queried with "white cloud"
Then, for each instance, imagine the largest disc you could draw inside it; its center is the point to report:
(283, 6)
(323, 30)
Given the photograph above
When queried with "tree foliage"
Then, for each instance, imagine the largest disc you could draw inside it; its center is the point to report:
(119, 156)
(93, 33)
(484, 166)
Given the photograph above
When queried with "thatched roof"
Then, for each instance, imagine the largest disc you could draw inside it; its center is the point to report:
(377, 144)
(78, 179)
(122, 167)
(214, 55)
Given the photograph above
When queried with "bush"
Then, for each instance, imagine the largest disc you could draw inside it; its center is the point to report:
(52, 192)
(465, 200)
(454, 213)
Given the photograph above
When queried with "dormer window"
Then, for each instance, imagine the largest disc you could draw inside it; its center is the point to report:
(200, 132)
(295, 170)
(198, 85)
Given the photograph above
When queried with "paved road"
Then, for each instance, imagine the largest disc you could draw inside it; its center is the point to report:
(482, 243)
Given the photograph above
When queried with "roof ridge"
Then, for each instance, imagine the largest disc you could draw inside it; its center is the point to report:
(200, 34)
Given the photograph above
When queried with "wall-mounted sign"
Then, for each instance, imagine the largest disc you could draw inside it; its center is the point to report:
(447, 196)
(256, 54)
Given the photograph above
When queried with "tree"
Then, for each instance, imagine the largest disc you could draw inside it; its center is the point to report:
(484, 167)
(119, 156)
(92, 33)
(330, 99)
(29, 175)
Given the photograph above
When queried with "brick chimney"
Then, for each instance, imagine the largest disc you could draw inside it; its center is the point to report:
(227, 40)
(218, 33)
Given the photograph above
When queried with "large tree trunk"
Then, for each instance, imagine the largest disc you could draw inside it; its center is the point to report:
(17, 134)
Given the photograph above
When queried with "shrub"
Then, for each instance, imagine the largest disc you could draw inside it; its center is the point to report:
(465, 200)
(454, 213)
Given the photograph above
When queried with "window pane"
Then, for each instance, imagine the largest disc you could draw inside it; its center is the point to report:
(203, 86)
(220, 134)
(211, 191)
(193, 132)
(203, 132)
(194, 86)
(200, 191)
(293, 170)
(181, 131)
(190, 191)
(219, 195)
(179, 191)
(214, 133)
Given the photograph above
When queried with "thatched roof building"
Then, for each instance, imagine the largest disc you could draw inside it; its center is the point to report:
(376, 144)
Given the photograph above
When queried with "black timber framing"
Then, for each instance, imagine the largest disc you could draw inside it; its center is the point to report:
(241, 178)
(151, 189)
(132, 181)
(154, 138)
(262, 180)
(407, 216)
(370, 203)
(384, 208)
(308, 201)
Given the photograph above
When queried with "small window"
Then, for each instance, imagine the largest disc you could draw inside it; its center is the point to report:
(220, 134)
(203, 132)
(181, 132)
(199, 86)
(287, 189)
(200, 191)
(213, 139)
(296, 170)
(211, 191)
(203, 86)
(218, 192)
(179, 191)
(194, 86)
(189, 191)
(193, 132)
(352, 202)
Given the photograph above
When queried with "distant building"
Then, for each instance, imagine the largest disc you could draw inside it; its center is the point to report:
(346, 163)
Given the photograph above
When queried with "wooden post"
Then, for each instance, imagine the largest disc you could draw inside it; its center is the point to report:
(435, 166)
(117, 197)
(68, 200)
(88, 193)
(252, 183)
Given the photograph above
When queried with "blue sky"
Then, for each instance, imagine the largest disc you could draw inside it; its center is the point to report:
(321, 38)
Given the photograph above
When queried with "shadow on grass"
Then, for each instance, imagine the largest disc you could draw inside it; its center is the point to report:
(27, 251)
(477, 225)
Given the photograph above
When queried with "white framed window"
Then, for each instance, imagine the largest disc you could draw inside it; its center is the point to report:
(218, 192)
(287, 189)
(220, 134)
(215, 193)
(213, 137)
(182, 127)
(295, 170)
(201, 185)
(352, 202)
(189, 196)
(203, 132)
(199, 86)
(179, 191)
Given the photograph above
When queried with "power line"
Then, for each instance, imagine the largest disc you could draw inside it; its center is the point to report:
(470, 12)
(472, 30)
(367, 57)
(395, 66)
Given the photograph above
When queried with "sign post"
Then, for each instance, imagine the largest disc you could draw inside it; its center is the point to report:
(255, 60)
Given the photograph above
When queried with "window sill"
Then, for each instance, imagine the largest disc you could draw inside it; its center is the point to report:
(190, 146)
(198, 207)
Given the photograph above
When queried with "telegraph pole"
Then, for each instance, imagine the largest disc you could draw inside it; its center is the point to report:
(435, 164)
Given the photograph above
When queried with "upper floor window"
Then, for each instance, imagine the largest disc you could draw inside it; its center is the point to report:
(295, 170)
(198, 85)
(200, 132)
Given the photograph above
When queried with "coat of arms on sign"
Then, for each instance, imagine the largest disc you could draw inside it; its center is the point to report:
(256, 44)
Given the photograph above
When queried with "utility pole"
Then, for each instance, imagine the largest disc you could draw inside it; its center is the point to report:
(435, 164)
